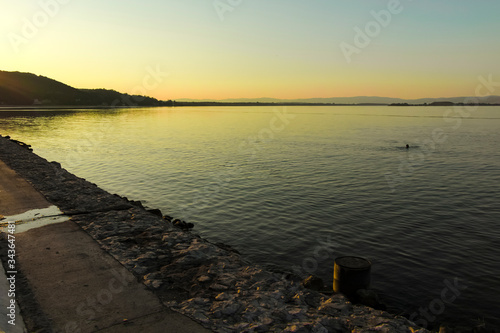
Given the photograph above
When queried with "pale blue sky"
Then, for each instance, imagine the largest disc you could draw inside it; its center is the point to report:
(280, 48)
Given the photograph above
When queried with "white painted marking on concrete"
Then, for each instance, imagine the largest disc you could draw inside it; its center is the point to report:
(35, 218)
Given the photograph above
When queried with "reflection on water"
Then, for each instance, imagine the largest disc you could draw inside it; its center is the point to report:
(276, 183)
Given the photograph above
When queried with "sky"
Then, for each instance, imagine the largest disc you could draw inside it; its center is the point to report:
(218, 49)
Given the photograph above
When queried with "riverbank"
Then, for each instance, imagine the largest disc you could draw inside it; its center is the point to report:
(62, 278)
(210, 283)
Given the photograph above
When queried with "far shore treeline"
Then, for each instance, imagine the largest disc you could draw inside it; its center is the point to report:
(26, 89)
(23, 89)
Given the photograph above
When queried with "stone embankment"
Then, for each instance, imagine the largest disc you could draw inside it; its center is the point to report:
(210, 283)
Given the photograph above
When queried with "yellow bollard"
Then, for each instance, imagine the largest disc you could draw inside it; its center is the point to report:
(351, 274)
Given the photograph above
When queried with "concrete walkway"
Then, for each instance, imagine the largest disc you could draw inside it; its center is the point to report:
(17, 195)
(79, 286)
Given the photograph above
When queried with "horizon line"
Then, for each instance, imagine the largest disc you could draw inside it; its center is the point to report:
(355, 96)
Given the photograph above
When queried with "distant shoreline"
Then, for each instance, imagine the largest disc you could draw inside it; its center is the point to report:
(201, 104)
(40, 92)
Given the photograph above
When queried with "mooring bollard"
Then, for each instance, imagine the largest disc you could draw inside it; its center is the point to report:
(351, 274)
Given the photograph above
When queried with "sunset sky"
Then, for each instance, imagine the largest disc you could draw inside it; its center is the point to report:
(216, 49)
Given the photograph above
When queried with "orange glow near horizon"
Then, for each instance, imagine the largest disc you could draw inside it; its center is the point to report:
(255, 51)
(179, 88)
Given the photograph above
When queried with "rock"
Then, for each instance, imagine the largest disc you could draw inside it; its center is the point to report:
(332, 308)
(219, 287)
(313, 300)
(266, 320)
(22, 144)
(260, 327)
(250, 314)
(369, 298)
(230, 309)
(204, 279)
(140, 270)
(319, 329)
(332, 324)
(298, 328)
(201, 301)
(281, 315)
(297, 313)
(152, 276)
(156, 212)
(227, 247)
(157, 284)
(222, 297)
(198, 315)
(135, 203)
(357, 321)
(376, 321)
(241, 327)
(313, 282)
(154, 284)
(182, 224)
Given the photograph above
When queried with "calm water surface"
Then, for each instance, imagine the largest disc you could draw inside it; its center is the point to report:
(295, 187)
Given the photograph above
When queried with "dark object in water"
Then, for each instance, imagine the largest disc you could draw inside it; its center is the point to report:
(407, 146)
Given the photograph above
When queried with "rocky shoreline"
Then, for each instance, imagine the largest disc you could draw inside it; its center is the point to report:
(210, 283)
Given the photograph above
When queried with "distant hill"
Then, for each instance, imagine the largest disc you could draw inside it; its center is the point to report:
(18, 88)
(358, 100)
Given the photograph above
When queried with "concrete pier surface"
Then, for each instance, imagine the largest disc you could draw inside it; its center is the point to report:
(16, 194)
(75, 286)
